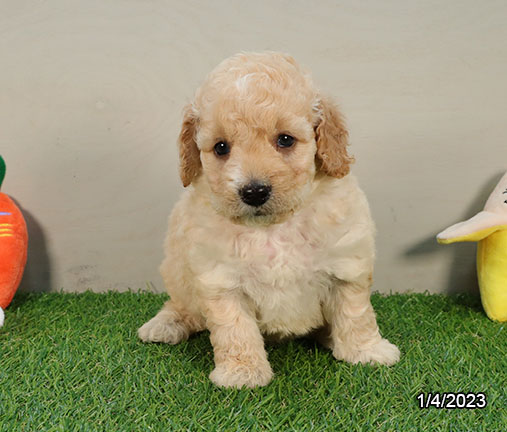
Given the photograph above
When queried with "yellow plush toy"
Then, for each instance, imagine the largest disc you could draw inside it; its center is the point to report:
(489, 228)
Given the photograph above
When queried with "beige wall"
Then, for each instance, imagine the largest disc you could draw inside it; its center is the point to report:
(91, 94)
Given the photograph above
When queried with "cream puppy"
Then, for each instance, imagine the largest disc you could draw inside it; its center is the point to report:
(273, 237)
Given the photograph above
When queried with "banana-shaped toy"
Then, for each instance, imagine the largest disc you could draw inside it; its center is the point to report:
(489, 228)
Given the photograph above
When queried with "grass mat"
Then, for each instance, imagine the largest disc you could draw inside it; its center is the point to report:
(72, 362)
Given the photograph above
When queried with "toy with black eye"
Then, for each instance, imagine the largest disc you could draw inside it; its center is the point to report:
(489, 229)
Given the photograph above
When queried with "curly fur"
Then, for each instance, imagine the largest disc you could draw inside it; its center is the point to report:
(302, 262)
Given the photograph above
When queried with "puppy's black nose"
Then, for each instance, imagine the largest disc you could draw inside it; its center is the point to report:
(255, 194)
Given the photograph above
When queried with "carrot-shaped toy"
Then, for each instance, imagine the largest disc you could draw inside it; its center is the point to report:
(13, 247)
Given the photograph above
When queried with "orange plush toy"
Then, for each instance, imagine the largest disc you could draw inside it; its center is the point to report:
(13, 247)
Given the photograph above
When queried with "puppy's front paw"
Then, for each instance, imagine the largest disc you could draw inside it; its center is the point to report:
(159, 329)
(235, 374)
(382, 352)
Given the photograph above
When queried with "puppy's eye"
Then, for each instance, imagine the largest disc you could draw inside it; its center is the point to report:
(222, 148)
(285, 141)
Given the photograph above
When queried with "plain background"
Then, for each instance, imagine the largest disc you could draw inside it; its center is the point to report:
(91, 94)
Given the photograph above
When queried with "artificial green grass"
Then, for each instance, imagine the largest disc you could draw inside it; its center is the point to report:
(73, 362)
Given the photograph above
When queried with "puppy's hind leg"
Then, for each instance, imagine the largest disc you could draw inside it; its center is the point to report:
(171, 325)
(353, 332)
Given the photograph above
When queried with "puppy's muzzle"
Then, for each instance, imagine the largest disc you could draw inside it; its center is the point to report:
(255, 193)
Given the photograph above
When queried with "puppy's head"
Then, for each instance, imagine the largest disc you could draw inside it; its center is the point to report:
(258, 132)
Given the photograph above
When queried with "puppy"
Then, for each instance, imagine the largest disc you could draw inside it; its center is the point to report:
(273, 237)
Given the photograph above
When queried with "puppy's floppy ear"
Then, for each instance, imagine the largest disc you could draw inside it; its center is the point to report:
(190, 162)
(332, 140)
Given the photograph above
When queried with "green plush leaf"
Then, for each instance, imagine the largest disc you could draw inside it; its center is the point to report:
(2, 170)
